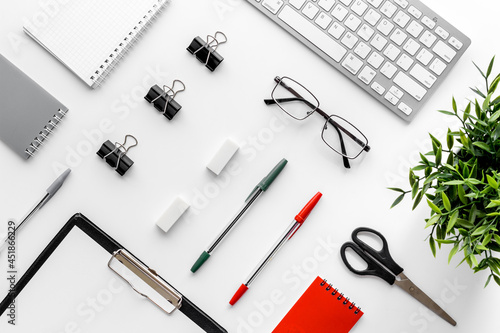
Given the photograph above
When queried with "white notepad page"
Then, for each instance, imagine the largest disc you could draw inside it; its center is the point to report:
(84, 34)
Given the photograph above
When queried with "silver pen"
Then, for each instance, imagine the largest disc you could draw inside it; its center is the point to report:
(56, 185)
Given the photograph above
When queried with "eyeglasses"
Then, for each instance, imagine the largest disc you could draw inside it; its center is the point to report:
(299, 103)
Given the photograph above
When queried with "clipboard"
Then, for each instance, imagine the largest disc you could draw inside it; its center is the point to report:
(126, 260)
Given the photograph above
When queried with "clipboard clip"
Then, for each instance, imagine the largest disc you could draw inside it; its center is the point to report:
(148, 276)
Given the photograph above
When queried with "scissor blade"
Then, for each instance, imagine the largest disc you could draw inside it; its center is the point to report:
(404, 283)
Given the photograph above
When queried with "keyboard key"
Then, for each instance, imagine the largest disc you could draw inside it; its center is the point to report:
(378, 42)
(346, 2)
(326, 4)
(366, 32)
(323, 20)
(388, 70)
(388, 9)
(428, 38)
(444, 51)
(385, 27)
(405, 108)
(401, 3)
(352, 22)
(455, 43)
(375, 60)
(352, 63)
(411, 87)
(398, 37)
(415, 29)
(392, 52)
(375, 3)
(391, 98)
(349, 40)
(372, 17)
(367, 74)
(396, 92)
(411, 46)
(300, 24)
(404, 62)
(423, 75)
(310, 10)
(339, 12)
(272, 5)
(378, 88)
(401, 19)
(359, 7)
(336, 30)
(299, 3)
(414, 12)
(428, 22)
(437, 66)
(442, 33)
(424, 56)
(362, 50)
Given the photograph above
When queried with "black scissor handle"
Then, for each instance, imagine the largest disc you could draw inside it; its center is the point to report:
(383, 256)
(373, 267)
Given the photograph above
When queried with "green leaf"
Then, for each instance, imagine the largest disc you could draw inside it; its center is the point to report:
(398, 200)
(488, 280)
(478, 108)
(454, 182)
(449, 139)
(396, 189)
(432, 220)
(453, 251)
(482, 145)
(486, 102)
(452, 221)
(487, 239)
(439, 154)
(434, 207)
(497, 279)
(424, 159)
(497, 238)
(419, 167)
(417, 200)
(446, 201)
(496, 133)
(466, 112)
(432, 244)
(450, 158)
(477, 91)
(473, 260)
(493, 86)
(412, 177)
(479, 231)
(445, 241)
(446, 112)
(461, 194)
(414, 190)
(493, 214)
(492, 182)
(490, 67)
(465, 223)
(479, 69)
(481, 247)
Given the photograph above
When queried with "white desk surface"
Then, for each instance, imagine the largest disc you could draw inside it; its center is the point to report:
(171, 157)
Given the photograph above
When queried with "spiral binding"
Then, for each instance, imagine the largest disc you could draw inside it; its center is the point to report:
(340, 297)
(127, 43)
(47, 130)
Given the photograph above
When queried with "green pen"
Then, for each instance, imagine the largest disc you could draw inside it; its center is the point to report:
(256, 192)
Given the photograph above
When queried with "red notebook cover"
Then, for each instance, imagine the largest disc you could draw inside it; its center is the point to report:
(321, 309)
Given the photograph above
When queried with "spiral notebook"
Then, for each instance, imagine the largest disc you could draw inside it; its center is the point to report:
(90, 37)
(321, 309)
(28, 113)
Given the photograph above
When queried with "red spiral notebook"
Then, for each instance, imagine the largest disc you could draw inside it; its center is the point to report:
(321, 309)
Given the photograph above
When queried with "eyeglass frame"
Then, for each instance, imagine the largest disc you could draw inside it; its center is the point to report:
(345, 157)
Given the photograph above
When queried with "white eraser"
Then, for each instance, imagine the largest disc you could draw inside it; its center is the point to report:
(172, 214)
(223, 156)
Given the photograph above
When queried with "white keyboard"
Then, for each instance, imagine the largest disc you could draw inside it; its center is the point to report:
(398, 51)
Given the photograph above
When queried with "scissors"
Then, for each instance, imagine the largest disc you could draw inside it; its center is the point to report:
(381, 264)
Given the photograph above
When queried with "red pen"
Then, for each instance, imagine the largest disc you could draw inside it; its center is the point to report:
(296, 224)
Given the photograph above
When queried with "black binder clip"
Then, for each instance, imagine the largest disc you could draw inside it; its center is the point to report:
(164, 99)
(206, 52)
(116, 154)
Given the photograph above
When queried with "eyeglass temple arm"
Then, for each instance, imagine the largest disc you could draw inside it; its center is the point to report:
(322, 113)
(342, 147)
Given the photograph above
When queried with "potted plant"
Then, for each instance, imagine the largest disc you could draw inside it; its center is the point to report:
(460, 182)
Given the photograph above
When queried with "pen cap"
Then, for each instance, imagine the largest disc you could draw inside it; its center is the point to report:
(304, 213)
(268, 180)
